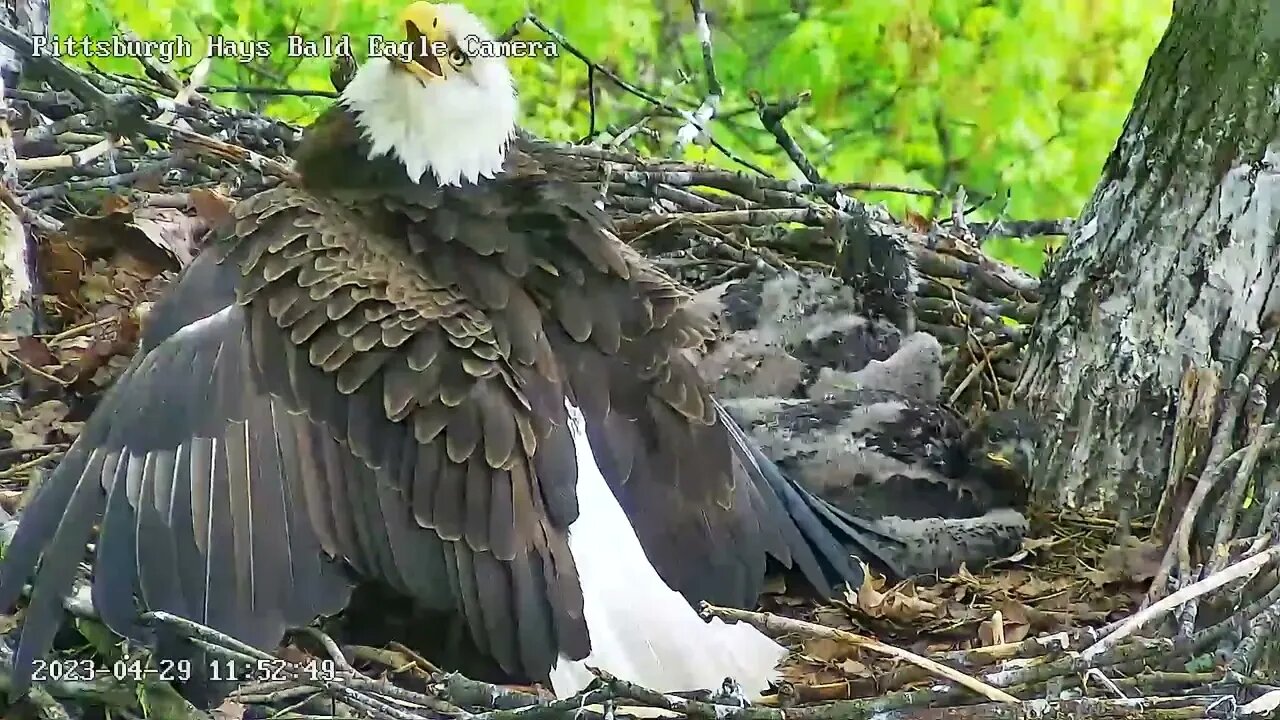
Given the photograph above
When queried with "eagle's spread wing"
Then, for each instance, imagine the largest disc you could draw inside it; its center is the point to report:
(348, 404)
(378, 379)
(200, 483)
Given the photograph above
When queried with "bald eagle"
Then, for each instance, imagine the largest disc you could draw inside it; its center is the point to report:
(432, 364)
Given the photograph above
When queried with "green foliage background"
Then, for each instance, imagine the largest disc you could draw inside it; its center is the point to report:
(1019, 100)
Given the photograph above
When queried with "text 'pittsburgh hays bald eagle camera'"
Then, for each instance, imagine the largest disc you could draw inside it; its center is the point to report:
(432, 364)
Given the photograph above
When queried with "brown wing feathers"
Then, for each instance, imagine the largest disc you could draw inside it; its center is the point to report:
(394, 402)
(475, 422)
(238, 489)
(161, 467)
(616, 327)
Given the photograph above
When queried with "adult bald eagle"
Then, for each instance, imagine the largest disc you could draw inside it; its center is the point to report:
(434, 365)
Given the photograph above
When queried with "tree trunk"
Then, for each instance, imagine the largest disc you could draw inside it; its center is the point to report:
(1172, 266)
(17, 301)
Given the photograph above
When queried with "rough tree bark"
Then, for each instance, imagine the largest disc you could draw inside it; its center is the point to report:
(17, 308)
(1173, 263)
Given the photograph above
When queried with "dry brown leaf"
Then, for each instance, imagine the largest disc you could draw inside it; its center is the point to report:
(991, 631)
(86, 363)
(867, 596)
(23, 438)
(917, 221)
(172, 230)
(831, 617)
(901, 604)
(96, 289)
(826, 649)
(49, 411)
(211, 205)
(37, 362)
(229, 710)
(1017, 621)
(34, 352)
(73, 343)
(62, 267)
(108, 373)
(1101, 577)
(1035, 587)
(116, 204)
(1057, 601)
(1016, 633)
(965, 575)
(1007, 582)
(158, 238)
(963, 612)
(853, 667)
(1137, 560)
(36, 423)
(130, 281)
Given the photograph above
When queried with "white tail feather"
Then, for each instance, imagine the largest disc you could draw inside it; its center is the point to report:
(641, 630)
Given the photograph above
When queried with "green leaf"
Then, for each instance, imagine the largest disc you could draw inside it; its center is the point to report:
(1201, 663)
(105, 644)
(994, 96)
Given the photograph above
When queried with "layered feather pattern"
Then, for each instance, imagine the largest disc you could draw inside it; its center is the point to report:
(369, 378)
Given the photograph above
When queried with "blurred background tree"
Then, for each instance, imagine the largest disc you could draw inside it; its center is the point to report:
(1018, 101)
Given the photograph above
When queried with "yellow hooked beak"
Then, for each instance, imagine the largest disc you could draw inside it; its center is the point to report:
(999, 460)
(425, 31)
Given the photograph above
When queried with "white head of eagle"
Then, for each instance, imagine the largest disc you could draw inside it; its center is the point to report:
(453, 115)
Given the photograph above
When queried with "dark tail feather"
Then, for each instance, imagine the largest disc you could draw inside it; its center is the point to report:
(38, 523)
(209, 680)
(829, 535)
(55, 578)
(865, 539)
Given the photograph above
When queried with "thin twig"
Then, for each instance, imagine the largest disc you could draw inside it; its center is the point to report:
(779, 625)
(264, 91)
(562, 41)
(701, 118)
(1240, 570)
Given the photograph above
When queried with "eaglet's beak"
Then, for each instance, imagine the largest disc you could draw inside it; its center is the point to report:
(425, 31)
(999, 461)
